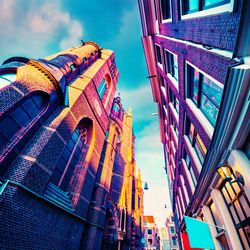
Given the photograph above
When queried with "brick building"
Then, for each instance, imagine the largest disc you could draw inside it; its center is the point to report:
(151, 233)
(57, 149)
(197, 53)
(170, 226)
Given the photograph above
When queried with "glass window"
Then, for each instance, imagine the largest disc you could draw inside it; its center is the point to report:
(174, 241)
(72, 156)
(190, 6)
(73, 66)
(190, 168)
(116, 109)
(21, 116)
(165, 9)
(149, 231)
(239, 208)
(7, 79)
(195, 140)
(205, 93)
(213, 3)
(216, 216)
(172, 64)
(158, 53)
(156, 14)
(172, 230)
(102, 88)
(174, 100)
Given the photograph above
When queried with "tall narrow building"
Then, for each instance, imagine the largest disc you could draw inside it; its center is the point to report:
(58, 150)
(197, 53)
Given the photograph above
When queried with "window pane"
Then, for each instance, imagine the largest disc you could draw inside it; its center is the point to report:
(31, 108)
(214, 3)
(239, 210)
(158, 54)
(175, 67)
(20, 116)
(212, 90)
(165, 7)
(102, 88)
(193, 83)
(209, 109)
(191, 132)
(2, 140)
(201, 145)
(189, 6)
(8, 127)
(215, 214)
(235, 217)
(193, 177)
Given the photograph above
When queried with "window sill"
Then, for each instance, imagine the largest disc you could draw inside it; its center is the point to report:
(160, 65)
(175, 114)
(192, 186)
(174, 81)
(193, 154)
(169, 20)
(201, 117)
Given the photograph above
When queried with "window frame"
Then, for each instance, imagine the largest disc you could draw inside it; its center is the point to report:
(220, 8)
(193, 140)
(22, 130)
(230, 202)
(190, 167)
(189, 90)
(168, 19)
(160, 64)
(170, 65)
(102, 88)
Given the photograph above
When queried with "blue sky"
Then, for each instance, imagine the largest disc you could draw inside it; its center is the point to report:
(37, 28)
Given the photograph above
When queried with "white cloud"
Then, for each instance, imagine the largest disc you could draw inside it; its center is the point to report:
(128, 27)
(140, 100)
(31, 28)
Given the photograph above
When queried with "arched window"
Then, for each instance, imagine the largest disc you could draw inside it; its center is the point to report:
(116, 109)
(7, 79)
(73, 155)
(102, 88)
(15, 121)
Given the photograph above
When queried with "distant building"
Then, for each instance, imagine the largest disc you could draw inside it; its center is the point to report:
(197, 53)
(164, 239)
(124, 220)
(151, 234)
(173, 239)
(67, 159)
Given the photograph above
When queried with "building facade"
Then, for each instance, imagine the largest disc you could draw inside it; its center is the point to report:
(124, 220)
(151, 234)
(164, 239)
(197, 53)
(58, 148)
(171, 231)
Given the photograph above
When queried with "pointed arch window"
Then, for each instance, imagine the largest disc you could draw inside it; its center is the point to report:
(116, 109)
(72, 157)
(102, 88)
(15, 122)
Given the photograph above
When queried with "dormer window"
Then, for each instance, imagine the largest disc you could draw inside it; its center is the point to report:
(85, 59)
